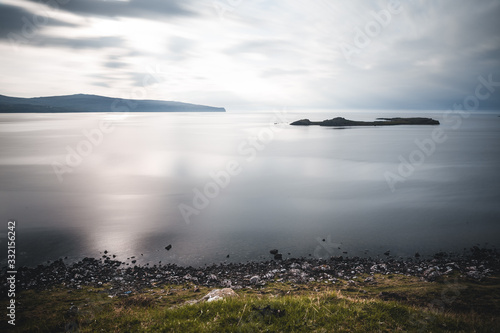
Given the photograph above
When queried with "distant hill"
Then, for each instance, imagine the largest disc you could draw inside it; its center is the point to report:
(94, 103)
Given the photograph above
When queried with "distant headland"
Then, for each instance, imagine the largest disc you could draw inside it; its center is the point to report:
(342, 122)
(95, 103)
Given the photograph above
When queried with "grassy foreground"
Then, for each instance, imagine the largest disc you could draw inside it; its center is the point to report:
(387, 303)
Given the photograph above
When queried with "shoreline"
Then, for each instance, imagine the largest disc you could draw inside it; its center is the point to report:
(476, 263)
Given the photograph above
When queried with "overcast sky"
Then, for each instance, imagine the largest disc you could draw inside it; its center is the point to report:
(254, 53)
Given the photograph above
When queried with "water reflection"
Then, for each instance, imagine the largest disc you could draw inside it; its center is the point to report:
(309, 182)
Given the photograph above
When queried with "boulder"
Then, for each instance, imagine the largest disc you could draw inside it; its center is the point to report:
(254, 279)
(218, 294)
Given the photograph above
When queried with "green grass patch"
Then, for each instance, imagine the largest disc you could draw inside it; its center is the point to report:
(388, 304)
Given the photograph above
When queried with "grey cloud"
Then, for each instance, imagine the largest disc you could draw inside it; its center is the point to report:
(79, 43)
(115, 64)
(283, 72)
(429, 56)
(435, 64)
(146, 79)
(262, 46)
(23, 27)
(150, 9)
(16, 20)
(180, 48)
(101, 84)
(411, 90)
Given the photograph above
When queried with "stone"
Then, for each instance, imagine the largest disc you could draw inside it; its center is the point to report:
(254, 279)
(219, 294)
(227, 283)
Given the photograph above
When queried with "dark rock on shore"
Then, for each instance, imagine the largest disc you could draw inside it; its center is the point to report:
(342, 122)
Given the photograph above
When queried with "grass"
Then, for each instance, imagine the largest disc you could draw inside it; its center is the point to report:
(395, 303)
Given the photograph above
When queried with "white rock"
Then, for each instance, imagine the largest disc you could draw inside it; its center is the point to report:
(254, 279)
(219, 294)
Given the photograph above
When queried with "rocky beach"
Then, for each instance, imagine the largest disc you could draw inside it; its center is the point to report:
(446, 292)
(475, 263)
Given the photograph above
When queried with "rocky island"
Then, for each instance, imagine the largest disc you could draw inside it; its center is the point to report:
(342, 122)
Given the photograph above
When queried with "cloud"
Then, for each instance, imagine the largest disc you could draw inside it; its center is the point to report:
(180, 48)
(429, 57)
(78, 43)
(19, 21)
(260, 45)
(264, 52)
(148, 9)
(283, 72)
(115, 64)
(101, 84)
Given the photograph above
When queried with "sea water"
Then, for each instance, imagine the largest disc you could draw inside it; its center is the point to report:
(232, 186)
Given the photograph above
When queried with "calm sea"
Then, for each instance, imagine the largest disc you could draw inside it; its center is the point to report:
(241, 184)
